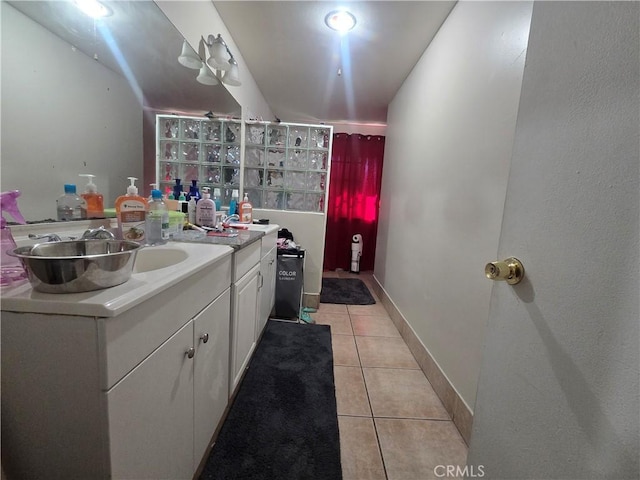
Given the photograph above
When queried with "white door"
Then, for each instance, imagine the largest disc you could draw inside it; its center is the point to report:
(558, 390)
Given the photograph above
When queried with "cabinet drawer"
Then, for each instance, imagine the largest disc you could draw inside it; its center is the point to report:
(129, 338)
(245, 259)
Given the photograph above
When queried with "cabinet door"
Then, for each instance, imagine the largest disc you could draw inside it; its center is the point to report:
(267, 289)
(245, 311)
(151, 414)
(211, 377)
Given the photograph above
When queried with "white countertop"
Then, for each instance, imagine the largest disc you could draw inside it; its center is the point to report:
(113, 301)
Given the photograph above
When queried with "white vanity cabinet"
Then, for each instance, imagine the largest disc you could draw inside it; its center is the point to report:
(244, 309)
(183, 396)
(135, 395)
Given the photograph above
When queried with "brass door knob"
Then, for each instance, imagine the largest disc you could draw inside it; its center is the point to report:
(510, 270)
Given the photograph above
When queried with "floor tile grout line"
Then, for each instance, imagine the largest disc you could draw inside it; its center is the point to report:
(373, 418)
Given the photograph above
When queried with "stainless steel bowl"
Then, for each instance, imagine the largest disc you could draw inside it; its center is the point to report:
(78, 265)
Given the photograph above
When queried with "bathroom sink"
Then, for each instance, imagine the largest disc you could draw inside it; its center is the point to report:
(154, 258)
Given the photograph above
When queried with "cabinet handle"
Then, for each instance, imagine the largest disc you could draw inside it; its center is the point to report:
(204, 337)
(190, 353)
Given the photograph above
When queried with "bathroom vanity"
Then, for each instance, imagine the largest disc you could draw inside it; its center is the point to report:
(131, 381)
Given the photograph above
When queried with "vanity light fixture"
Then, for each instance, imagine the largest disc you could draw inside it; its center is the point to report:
(93, 8)
(206, 77)
(221, 61)
(340, 20)
(189, 58)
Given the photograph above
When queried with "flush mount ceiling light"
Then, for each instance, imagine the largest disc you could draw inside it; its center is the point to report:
(93, 8)
(340, 20)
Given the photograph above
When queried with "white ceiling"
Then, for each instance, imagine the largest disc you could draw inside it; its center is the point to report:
(294, 57)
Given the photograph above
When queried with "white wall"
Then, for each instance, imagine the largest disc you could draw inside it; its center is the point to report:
(448, 146)
(558, 395)
(59, 101)
(199, 18)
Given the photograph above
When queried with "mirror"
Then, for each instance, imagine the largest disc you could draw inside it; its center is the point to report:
(80, 96)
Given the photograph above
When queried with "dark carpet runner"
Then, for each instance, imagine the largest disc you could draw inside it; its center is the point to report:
(283, 423)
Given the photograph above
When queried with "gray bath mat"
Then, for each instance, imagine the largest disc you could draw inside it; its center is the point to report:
(345, 291)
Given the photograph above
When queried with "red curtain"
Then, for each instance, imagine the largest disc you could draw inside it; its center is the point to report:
(354, 193)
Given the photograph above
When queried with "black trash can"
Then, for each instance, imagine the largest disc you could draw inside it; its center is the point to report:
(289, 284)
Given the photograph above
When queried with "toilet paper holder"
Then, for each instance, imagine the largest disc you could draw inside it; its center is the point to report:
(510, 270)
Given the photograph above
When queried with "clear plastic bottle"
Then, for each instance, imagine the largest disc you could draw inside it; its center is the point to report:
(70, 205)
(157, 221)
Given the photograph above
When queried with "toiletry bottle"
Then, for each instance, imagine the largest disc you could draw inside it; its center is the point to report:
(246, 210)
(177, 188)
(194, 192)
(171, 203)
(11, 268)
(191, 210)
(94, 201)
(70, 205)
(183, 206)
(206, 210)
(233, 205)
(216, 199)
(131, 211)
(157, 221)
(153, 186)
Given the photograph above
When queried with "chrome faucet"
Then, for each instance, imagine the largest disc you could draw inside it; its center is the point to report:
(49, 237)
(228, 218)
(98, 233)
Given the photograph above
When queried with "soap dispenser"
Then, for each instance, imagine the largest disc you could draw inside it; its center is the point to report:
(131, 210)
(11, 268)
(94, 201)
(246, 210)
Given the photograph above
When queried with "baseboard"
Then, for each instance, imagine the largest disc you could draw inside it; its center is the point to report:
(311, 300)
(456, 408)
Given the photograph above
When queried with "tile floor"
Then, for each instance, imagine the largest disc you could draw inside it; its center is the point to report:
(392, 424)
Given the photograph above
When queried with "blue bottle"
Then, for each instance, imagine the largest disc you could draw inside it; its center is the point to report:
(233, 205)
(216, 199)
(194, 191)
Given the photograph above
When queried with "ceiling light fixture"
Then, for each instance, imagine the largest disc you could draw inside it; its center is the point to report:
(221, 61)
(93, 8)
(340, 20)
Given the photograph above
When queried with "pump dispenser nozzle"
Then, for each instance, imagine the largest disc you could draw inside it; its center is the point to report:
(132, 189)
(91, 187)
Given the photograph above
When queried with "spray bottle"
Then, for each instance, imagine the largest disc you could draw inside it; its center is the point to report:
(12, 269)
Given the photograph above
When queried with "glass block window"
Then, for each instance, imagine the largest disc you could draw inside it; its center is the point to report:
(285, 165)
(191, 148)
(281, 166)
